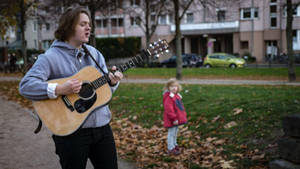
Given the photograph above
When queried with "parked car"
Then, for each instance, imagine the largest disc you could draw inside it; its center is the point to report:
(223, 60)
(188, 60)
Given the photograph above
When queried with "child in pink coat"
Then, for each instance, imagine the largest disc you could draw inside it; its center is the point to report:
(174, 113)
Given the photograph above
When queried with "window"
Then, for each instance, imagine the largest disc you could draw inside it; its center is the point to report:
(273, 21)
(296, 11)
(273, 13)
(244, 44)
(295, 40)
(221, 15)
(162, 19)
(152, 18)
(189, 17)
(101, 23)
(135, 2)
(135, 21)
(114, 22)
(273, 9)
(35, 43)
(47, 26)
(249, 13)
(117, 22)
(171, 18)
(34, 26)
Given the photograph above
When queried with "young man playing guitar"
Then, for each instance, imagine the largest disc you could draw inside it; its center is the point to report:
(66, 56)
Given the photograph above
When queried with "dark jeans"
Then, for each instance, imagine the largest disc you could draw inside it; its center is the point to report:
(97, 144)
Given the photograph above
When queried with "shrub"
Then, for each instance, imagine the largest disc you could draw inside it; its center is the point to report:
(118, 47)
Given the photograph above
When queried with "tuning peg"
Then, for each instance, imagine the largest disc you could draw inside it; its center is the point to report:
(157, 55)
(167, 51)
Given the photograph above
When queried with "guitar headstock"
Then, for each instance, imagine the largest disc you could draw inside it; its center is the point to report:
(154, 50)
(157, 48)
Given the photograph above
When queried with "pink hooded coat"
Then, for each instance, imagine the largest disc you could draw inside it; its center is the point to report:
(173, 109)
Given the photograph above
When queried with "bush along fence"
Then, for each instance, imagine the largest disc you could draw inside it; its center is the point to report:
(112, 48)
(289, 145)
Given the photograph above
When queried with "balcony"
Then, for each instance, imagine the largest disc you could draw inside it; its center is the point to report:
(208, 28)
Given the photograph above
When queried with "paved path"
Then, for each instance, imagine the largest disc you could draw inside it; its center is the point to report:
(197, 81)
(20, 148)
(217, 82)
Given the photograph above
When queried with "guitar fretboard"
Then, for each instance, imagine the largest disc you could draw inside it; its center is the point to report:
(122, 68)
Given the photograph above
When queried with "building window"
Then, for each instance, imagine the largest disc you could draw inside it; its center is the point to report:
(295, 37)
(273, 22)
(249, 13)
(273, 13)
(35, 43)
(244, 44)
(221, 15)
(101, 23)
(162, 19)
(296, 11)
(34, 26)
(273, 9)
(135, 21)
(117, 22)
(135, 2)
(189, 17)
(171, 19)
(47, 26)
(152, 18)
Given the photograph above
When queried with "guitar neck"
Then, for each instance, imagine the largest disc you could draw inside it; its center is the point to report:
(133, 62)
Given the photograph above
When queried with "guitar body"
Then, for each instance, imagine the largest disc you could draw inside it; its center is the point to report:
(65, 114)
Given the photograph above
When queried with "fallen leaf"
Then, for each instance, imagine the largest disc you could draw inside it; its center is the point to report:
(237, 111)
(258, 157)
(215, 119)
(230, 125)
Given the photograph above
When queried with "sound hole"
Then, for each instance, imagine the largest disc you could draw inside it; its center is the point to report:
(87, 91)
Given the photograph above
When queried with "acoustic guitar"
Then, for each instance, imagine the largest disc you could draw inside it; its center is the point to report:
(65, 114)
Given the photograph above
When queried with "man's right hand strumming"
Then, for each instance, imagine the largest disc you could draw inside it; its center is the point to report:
(69, 87)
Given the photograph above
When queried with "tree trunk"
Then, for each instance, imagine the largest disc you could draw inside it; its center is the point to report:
(92, 37)
(289, 38)
(147, 28)
(22, 27)
(178, 41)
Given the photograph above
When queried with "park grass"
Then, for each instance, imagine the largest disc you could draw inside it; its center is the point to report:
(214, 73)
(211, 107)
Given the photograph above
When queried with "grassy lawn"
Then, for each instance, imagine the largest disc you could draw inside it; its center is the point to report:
(256, 110)
(247, 118)
(243, 73)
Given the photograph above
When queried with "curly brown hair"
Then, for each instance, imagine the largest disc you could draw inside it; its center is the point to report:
(68, 21)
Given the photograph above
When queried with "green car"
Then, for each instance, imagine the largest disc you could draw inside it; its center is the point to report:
(223, 60)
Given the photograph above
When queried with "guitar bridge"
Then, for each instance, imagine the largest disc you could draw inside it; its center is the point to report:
(67, 103)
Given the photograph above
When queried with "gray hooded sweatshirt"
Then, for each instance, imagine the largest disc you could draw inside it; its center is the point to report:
(59, 61)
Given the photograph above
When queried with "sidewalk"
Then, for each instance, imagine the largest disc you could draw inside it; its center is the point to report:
(215, 82)
(20, 148)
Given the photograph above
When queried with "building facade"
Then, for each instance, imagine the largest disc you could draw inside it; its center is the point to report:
(240, 27)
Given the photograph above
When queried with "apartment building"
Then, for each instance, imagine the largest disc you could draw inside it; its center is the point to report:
(246, 26)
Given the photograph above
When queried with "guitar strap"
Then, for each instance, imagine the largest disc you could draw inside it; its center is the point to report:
(97, 64)
(88, 52)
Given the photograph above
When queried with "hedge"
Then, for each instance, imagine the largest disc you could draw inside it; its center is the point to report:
(118, 47)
